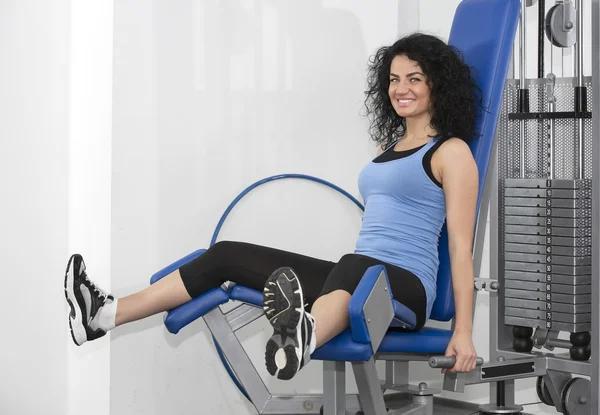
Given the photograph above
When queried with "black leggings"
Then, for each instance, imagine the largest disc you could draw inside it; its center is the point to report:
(250, 265)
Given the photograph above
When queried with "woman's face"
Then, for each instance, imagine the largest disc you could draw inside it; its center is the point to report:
(409, 91)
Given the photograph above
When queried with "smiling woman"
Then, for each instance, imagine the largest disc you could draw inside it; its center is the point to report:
(420, 74)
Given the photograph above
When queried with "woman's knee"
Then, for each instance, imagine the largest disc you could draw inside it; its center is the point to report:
(221, 250)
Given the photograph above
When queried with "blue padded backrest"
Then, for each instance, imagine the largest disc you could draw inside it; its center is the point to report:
(484, 31)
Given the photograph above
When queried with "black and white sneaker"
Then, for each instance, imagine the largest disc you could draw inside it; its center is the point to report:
(288, 349)
(92, 310)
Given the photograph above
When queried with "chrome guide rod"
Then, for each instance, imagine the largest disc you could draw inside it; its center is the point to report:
(579, 43)
(552, 126)
(522, 65)
(552, 147)
(551, 98)
(579, 133)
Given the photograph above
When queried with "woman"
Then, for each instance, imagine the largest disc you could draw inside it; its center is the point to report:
(422, 102)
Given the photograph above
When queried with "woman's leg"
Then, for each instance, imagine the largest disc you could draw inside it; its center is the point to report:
(245, 264)
(165, 294)
(94, 312)
(330, 312)
(251, 265)
(328, 316)
(298, 333)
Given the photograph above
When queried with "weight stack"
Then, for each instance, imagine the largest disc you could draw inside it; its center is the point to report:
(544, 216)
(547, 254)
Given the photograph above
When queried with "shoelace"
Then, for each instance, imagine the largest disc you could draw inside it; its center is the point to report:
(101, 294)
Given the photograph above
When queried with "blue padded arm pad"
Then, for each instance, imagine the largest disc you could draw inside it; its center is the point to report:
(176, 265)
(358, 322)
(246, 295)
(186, 313)
(183, 315)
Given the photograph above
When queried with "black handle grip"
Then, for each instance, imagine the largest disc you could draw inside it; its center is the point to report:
(447, 362)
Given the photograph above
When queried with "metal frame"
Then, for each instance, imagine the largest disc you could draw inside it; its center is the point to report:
(334, 399)
(556, 368)
(223, 327)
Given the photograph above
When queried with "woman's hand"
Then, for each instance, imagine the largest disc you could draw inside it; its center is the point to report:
(461, 346)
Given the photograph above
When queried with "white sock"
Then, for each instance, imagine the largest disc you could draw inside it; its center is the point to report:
(108, 315)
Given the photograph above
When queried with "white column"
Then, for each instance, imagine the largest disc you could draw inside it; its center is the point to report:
(90, 136)
(33, 206)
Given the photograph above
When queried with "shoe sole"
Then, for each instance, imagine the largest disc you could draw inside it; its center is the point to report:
(76, 316)
(284, 307)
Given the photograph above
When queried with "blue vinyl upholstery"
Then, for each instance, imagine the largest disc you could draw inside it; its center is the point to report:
(246, 295)
(484, 31)
(194, 309)
(343, 348)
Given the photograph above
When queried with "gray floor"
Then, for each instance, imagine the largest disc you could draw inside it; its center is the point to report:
(539, 409)
(450, 407)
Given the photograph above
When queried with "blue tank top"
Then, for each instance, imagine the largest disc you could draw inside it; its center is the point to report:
(404, 215)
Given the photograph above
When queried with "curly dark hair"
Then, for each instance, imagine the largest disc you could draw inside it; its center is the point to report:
(455, 96)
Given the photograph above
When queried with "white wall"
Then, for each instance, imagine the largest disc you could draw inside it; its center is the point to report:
(34, 207)
(209, 97)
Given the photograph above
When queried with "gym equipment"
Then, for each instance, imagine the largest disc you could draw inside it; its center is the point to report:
(538, 174)
(542, 220)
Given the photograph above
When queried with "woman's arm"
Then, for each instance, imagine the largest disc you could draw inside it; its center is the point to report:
(460, 179)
